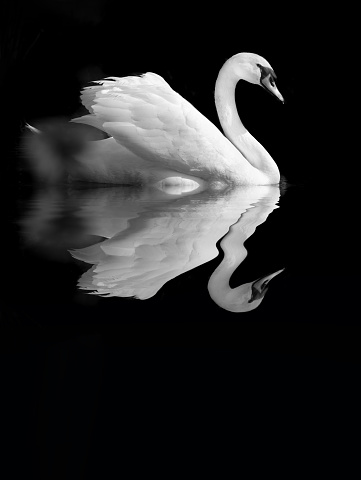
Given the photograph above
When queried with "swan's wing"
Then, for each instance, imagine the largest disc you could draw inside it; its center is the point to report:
(153, 121)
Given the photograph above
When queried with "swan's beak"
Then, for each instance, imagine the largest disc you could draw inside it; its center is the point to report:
(269, 85)
(277, 94)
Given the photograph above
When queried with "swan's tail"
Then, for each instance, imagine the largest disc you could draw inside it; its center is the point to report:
(51, 151)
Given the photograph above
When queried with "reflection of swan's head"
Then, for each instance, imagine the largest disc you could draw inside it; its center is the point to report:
(246, 297)
(255, 69)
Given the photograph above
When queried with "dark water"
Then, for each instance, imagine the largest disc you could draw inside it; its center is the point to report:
(82, 358)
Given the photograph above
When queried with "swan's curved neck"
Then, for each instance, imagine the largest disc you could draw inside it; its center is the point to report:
(232, 126)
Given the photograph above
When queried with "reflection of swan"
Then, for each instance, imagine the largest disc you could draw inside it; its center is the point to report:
(150, 240)
(157, 137)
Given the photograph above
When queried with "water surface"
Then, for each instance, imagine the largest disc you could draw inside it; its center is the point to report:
(245, 267)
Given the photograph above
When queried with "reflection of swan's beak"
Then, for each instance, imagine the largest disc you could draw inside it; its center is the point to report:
(260, 286)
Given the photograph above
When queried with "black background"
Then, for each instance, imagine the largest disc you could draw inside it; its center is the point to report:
(78, 369)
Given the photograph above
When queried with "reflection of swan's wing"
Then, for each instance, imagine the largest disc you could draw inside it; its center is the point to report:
(56, 219)
(163, 242)
(107, 211)
(140, 264)
(150, 237)
(154, 122)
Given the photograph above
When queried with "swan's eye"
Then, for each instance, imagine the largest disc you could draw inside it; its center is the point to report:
(271, 81)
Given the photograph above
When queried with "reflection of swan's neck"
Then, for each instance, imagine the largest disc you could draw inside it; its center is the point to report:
(238, 299)
(232, 299)
(232, 126)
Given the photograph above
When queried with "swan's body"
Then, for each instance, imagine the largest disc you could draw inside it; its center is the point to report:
(157, 136)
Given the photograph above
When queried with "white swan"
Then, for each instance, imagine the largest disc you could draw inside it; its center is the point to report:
(157, 137)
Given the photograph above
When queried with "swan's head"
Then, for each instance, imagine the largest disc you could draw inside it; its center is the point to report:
(255, 69)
